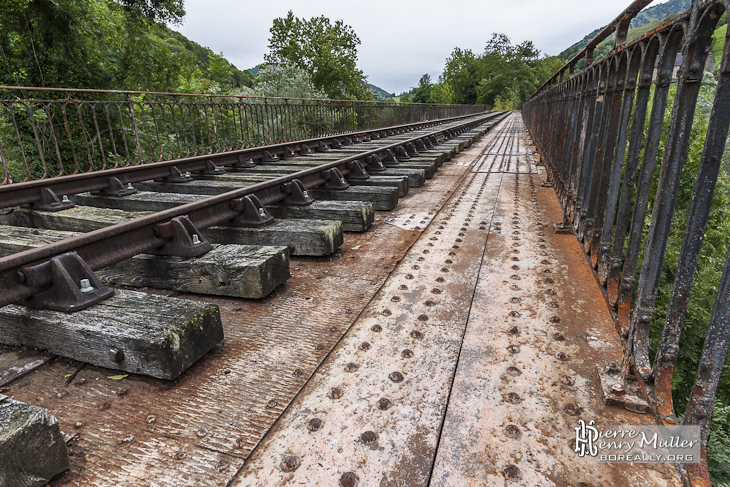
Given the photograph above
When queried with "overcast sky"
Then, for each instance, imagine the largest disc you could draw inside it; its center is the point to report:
(400, 40)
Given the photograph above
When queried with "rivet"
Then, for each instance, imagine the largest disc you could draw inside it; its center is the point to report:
(422, 317)
(416, 334)
(514, 371)
(376, 328)
(180, 455)
(290, 463)
(409, 276)
(452, 253)
(335, 393)
(201, 432)
(436, 290)
(514, 330)
(351, 367)
(514, 300)
(549, 280)
(105, 405)
(349, 479)
(314, 424)
(454, 246)
(512, 431)
(573, 409)
(551, 292)
(333, 329)
(514, 314)
(416, 267)
(428, 302)
(513, 349)
(297, 372)
(319, 346)
(513, 398)
(548, 271)
(553, 304)
(515, 287)
(239, 443)
(558, 337)
(406, 353)
(365, 346)
(555, 319)
(440, 279)
(387, 312)
(396, 376)
(562, 356)
(369, 437)
(395, 299)
(271, 404)
(384, 403)
(515, 277)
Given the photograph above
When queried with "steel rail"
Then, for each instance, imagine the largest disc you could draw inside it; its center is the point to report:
(32, 192)
(104, 247)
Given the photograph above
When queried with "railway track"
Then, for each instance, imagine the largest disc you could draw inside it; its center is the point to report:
(65, 232)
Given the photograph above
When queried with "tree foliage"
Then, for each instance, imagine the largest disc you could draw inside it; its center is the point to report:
(327, 51)
(504, 74)
(106, 44)
(286, 81)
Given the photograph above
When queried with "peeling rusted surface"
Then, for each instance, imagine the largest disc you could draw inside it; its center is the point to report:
(199, 429)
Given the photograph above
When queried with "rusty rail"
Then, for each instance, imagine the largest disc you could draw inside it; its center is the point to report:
(590, 128)
(28, 273)
(45, 193)
(48, 132)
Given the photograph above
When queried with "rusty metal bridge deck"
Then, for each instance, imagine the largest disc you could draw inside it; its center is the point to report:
(454, 343)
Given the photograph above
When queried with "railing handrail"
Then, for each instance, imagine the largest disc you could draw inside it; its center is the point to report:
(213, 95)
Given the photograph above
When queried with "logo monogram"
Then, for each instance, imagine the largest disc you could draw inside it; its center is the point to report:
(585, 437)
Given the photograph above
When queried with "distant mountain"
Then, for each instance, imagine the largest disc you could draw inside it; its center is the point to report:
(255, 70)
(380, 93)
(645, 17)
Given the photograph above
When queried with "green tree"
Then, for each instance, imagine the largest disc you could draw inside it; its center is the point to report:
(219, 70)
(328, 52)
(422, 93)
(286, 81)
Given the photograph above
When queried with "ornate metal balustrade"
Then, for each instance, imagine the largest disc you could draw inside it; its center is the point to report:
(599, 130)
(47, 132)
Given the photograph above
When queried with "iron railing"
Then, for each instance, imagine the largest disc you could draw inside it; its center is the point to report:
(592, 130)
(47, 132)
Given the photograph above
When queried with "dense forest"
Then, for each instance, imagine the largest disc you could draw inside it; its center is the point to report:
(105, 44)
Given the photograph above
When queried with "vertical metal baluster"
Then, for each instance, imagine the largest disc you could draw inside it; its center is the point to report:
(667, 54)
(613, 271)
(704, 190)
(678, 138)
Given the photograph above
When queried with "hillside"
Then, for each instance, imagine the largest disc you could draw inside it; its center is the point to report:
(647, 16)
(380, 93)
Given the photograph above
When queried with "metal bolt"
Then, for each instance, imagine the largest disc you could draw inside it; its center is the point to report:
(85, 286)
(416, 334)
(365, 346)
(262, 212)
(377, 328)
(196, 239)
(115, 354)
(335, 393)
(406, 353)
(513, 398)
(65, 199)
(351, 367)
(384, 403)
(514, 314)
